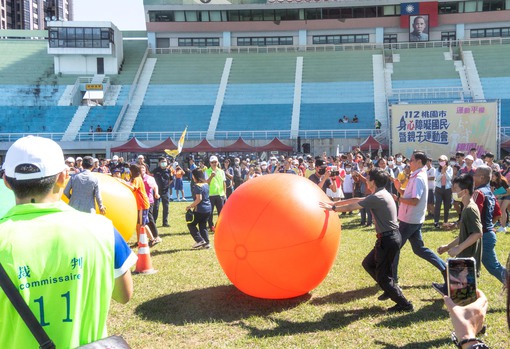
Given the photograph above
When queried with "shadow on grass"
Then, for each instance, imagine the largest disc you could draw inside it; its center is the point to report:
(331, 321)
(346, 297)
(221, 303)
(430, 344)
(155, 252)
(431, 312)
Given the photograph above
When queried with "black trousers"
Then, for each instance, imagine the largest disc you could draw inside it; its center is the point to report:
(199, 234)
(216, 201)
(152, 222)
(378, 264)
(442, 195)
(164, 200)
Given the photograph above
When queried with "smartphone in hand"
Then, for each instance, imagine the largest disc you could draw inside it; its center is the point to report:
(461, 280)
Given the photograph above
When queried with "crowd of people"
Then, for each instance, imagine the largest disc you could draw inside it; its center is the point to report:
(393, 193)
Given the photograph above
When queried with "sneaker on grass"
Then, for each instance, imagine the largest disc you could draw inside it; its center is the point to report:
(198, 245)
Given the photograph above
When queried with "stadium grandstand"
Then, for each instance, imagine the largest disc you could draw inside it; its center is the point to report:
(255, 69)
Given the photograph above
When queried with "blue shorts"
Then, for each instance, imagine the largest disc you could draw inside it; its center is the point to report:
(145, 217)
(178, 184)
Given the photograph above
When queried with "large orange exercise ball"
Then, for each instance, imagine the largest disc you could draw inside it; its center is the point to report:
(120, 204)
(7, 200)
(272, 238)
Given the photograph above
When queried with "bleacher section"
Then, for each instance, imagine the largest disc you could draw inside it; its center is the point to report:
(133, 53)
(423, 64)
(103, 116)
(35, 119)
(31, 95)
(173, 118)
(325, 116)
(337, 84)
(182, 92)
(259, 93)
(491, 61)
(176, 94)
(188, 69)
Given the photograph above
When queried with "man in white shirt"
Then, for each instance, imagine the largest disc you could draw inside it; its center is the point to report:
(477, 162)
(411, 213)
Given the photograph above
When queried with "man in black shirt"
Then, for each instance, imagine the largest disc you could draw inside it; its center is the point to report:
(164, 178)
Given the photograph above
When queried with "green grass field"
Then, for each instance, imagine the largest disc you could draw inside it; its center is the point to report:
(190, 303)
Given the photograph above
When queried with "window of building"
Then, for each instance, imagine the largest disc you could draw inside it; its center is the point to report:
(493, 5)
(80, 37)
(265, 41)
(162, 42)
(448, 36)
(390, 38)
(490, 33)
(198, 42)
(448, 7)
(340, 39)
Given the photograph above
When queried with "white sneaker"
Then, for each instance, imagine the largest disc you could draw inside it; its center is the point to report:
(501, 230)
(198, 245)
(184, 199)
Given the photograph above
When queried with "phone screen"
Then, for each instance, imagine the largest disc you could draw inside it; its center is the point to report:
(462, 280)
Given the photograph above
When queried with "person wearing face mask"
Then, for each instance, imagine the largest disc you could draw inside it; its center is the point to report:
(348, 184)
(443, 190)
(399, 158)
(238, 178)
(115, 164)
(321, 176)
(468, 243)
(263, 168)
(163, 177)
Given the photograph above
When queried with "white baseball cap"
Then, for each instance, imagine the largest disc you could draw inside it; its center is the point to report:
(70, 159)
(33, 157)
(79, 158)
(140, 156)
(213, 158)
(469, 157)
(115, 157)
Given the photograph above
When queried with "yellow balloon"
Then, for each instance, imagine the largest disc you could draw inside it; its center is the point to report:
(120, 203)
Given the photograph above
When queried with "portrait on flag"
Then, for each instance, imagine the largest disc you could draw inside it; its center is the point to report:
(419, 28)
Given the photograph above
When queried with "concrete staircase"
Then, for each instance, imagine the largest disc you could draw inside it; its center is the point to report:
(137, 100)
(296, 107)
(67, 97)
(220, 97)
(473, 78)
(110, 97)
(380, 87)
(75, 124)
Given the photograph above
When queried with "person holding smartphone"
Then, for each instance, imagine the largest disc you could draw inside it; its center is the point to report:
(384, 211)
(468, 243)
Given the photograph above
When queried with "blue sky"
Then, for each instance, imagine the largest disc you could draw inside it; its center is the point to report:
(125, 14)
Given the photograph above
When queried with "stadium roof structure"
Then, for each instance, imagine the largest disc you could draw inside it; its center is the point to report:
(372, 144)
(275, 145)
(131, 146)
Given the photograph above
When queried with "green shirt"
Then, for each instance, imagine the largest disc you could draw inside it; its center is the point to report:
(470, 222)
(62, 262)
(216, 186)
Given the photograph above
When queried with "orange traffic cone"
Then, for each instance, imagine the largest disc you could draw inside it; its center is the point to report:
(144, 263)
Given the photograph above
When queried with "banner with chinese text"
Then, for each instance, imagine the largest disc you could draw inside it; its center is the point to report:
(444, 128)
